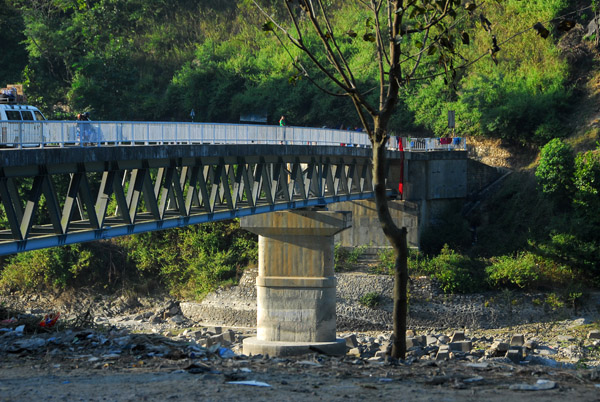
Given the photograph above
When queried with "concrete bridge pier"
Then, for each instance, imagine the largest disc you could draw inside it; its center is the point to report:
(296, 282)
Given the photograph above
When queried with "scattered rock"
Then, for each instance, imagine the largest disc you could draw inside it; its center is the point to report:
(515, 354)
(517, 340)
(497, 349)
(351, 340)
(594, 334)
(458, 336)
(540, 385)
(412, 342)
(461, 346)
(443, 353)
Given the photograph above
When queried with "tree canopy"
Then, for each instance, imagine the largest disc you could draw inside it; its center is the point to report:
(158, 59)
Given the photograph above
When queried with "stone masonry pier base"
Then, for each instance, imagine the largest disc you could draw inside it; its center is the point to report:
(296, 282)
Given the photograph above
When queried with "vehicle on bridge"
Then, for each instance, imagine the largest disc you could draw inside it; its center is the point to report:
(20, 125)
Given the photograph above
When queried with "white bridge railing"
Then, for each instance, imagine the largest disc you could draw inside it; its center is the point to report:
(75, 133)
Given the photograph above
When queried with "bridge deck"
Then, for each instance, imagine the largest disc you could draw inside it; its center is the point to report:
(90, 193)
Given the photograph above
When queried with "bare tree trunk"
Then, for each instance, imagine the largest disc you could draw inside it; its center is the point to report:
(397, 238)
(400, 299)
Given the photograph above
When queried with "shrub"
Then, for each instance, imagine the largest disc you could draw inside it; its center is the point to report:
(340, 255)
(98, 264)
(187, 262)
(456, 273)
(521, 271)
(194, 260)
(371, 299)
(587, 188)
(554, 302)
(555, 171)
(528, 271)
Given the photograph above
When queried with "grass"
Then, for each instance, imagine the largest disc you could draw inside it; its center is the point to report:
(346, 259)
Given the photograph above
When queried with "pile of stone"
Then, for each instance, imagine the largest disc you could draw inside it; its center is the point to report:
(517, 349)
(102, 346)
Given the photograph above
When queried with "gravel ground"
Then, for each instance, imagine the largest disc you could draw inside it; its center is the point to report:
(136, 348)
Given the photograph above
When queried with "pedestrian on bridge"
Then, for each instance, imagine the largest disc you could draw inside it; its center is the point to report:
(282, 124)
(84, 128)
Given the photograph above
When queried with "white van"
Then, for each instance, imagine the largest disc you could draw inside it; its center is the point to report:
(19, 125)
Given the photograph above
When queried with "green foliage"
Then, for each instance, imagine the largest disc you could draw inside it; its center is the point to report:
(93, 265)
(194, 260)
(571, 250)
(521, 271)
(456, 273)
(371, 300)
(522, 98)
(528, 271)
(161, 58)
(555, 171)
(346, 258)
(512, 216)
(13, 55)
(554, 302)
(355, 254)
(574, 240)
(387, 262)
(186, 262)
(587, 185)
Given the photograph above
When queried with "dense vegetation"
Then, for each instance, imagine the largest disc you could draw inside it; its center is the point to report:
(158, 59)
(186, 262)
(535, 234)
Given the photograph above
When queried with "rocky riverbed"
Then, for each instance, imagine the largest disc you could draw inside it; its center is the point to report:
(464, 347)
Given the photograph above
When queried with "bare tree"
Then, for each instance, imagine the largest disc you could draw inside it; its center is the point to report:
(389, 26)
(412, 40)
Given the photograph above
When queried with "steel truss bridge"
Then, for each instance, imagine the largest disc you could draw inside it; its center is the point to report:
(53, 196)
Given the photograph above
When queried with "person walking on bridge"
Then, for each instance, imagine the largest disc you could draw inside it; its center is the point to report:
(282, 124)
(84, 128)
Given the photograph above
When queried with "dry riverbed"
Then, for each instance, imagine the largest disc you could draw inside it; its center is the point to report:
(146, 349)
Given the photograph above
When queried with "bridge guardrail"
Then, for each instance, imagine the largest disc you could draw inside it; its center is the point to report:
(98, 133)
(434, 144)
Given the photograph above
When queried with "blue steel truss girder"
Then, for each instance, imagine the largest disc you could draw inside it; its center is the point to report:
(161, 187)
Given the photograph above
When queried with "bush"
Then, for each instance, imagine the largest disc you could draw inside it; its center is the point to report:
(194, 260)
(587, 189)
(371, 299)
(99, 265)
(186, 262)
(521, 272)
(570, 250)
(456, 273)
(555, 171)
(528, 271)
(387, 262)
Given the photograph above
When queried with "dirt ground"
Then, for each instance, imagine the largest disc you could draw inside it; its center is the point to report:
(73, 361)
(69, 369)
(42, 377)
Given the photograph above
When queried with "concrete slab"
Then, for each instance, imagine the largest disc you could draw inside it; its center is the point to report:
(255, 346)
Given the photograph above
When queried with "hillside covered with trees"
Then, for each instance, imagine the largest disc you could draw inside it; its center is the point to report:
(156, 60)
